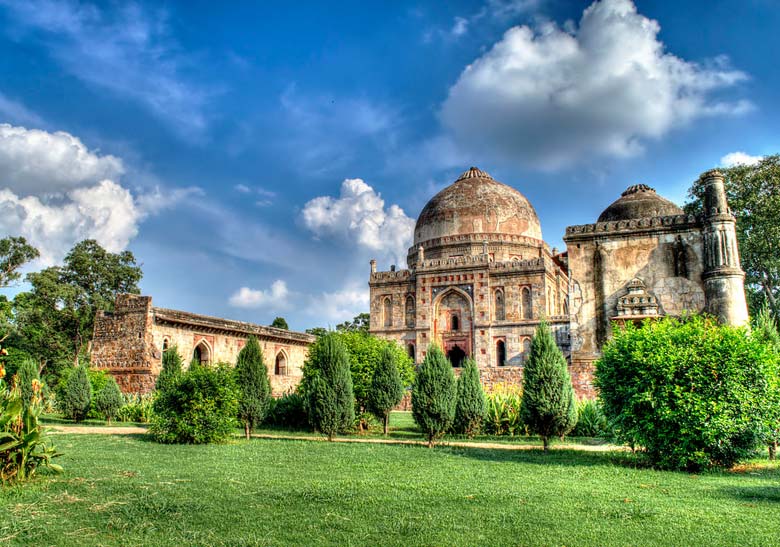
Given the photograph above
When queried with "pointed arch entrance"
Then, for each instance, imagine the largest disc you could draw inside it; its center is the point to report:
(202, 353)
(454, 324)
(280, 366)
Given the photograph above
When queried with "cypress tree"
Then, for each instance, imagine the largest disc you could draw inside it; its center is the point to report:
(434, 395)
(470, 408)
(171, 366)
(28, 371)
(386, 390)
(549, 407)
(109, 400)
(77, 395)
(253, 383)
(328, 386)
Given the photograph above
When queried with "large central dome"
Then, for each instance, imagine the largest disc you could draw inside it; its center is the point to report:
(476, 203)
(473, 210)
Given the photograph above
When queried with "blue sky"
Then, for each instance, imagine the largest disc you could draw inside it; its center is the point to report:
(254, 158)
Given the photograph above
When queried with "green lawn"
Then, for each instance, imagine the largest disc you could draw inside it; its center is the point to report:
(125, 490)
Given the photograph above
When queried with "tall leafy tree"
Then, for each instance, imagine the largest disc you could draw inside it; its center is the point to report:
(359, 323)
(327, 385)
(434, 395)
(471, 406)
(753, 192)
(253, 383)
(386, 389)
(280, 323)
(549, 407)
(14, 253)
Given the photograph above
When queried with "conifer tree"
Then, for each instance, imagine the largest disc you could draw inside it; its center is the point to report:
(549, 407)
(470, 406)
(28, 371)
(386, 390)
(109, 400)
(330, 400)
(765, 330)
(77, 395)
(434, 395)
(252, 377)
(171, 366)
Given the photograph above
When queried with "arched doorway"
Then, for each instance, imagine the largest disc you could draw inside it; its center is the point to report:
(411, 352)
(500, 353)
(280, 368)
(201, 354)
(456, 356)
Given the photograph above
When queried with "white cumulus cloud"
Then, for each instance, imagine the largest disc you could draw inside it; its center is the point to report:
(739, 158)
(276, 297)
(340, 305)
(359, 216)
(550, 96)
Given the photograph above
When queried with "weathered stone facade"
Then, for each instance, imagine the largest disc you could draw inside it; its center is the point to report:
(128, 342)
(480, 277)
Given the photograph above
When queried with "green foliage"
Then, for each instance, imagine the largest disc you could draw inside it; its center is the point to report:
(280, 323)
(288, 411)
(76, 397)
(14, 253)
(24, 447)
(109, 400)
(689, 391)
(591, 421)
(360, 323)
(549, 407)
(254, 386)
(386, 389)
(14, 360)
(196, 407)
(470, 407)
(434, 395)
(502, 411)
(28, 371)
(136, 407)
(753, 192)
(765, 331)
(327, 385)
(171, 366)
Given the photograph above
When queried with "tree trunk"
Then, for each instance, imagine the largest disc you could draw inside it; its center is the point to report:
(330, 437)
(773, 450)
(108, 419)
(545, 442)
(387, 423)
(246, 430)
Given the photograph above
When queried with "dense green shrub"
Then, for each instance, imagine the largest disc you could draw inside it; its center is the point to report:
(765, 331)
(198, 406)
(76, 397)
(253, 384)
(24, 447)
(109, 400)
(26, 373)
(327, 385)
(14, 359)
(434, 395)
(288, 411)
(690, 392)
(136, 408)
(171, 366)
(591, 421)
(549, 407)
(470, 405)
(386, 388)
(502, 411)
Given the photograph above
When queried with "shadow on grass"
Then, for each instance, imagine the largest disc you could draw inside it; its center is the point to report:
(754, 494)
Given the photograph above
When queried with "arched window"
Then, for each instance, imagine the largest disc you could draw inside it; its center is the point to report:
(387, 312)
(410, 351)
(526, 348)
(280, 368)
(166, 343)
(566, 306)
(201, 354)
(455, 324)
(499, 307)
(528, 312)
(500, 353)
(410, 319)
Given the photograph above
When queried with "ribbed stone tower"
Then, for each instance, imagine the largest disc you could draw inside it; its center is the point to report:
(724, 280)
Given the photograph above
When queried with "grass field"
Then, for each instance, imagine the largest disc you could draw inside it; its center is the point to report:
(126, 490)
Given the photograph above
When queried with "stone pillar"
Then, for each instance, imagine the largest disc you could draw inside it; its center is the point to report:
(420, 255)
(373, 266)
(724, 280)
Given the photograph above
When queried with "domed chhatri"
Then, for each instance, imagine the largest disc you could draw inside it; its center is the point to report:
(477, 208)
(639, 201)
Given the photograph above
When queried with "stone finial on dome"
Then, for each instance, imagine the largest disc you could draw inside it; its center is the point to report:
(636, 188)
(474, 172)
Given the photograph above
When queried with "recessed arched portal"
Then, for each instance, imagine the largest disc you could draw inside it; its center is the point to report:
(280, 367)
(456, 356)
(501, 353)
(202, 353)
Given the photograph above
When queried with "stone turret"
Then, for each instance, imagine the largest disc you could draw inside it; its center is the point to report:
(724, 280)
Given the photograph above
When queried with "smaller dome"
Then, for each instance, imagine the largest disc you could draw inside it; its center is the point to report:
(639, 201)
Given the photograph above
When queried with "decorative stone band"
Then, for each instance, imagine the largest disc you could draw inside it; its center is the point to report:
(479, 238)
(723, 272)
(533, 264)
(673, 222)
(201, 323)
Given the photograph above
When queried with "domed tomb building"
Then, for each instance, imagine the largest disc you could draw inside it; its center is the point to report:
(479, 277)
(479, 280)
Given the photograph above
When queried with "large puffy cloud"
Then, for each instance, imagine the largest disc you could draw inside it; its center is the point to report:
(359, 215)
(739, 158)
(275, 298)
(34, 161)
(340, 305)
(549, 97)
